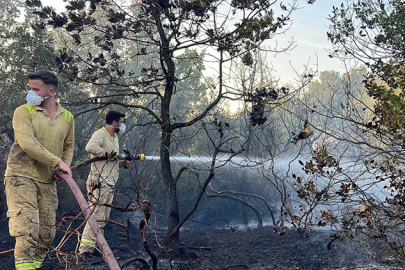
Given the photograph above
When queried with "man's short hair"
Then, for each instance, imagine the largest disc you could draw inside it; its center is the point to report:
(113, 115)
(44, 75)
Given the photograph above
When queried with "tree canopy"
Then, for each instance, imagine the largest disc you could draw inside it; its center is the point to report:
(373, 33)
(133, 55)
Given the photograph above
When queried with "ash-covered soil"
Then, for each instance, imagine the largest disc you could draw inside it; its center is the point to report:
(214, 248)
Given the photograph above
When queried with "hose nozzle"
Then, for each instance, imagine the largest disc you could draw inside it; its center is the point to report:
(128, 156)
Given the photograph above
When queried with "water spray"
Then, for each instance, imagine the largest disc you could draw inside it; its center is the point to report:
(236, 160)
(241, 161)
(151, 158)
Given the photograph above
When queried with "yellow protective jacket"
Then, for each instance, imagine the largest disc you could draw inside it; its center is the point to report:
(101, 171)
(40, 142)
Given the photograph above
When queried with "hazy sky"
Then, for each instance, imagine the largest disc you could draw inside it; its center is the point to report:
(308, 30)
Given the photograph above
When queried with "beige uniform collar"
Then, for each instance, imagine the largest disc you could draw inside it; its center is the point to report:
(59, 109)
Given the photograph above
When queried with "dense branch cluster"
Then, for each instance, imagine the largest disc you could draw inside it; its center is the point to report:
(259, 98)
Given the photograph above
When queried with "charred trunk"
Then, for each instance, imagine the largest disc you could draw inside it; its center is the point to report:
(173, 215)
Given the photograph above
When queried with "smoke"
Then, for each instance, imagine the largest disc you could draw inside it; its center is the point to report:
(269, 178)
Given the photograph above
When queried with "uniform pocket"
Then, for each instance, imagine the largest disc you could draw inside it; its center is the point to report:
(23, 223)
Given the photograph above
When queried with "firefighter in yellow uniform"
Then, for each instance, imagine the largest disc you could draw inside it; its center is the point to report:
(103, 175)
(43, 143)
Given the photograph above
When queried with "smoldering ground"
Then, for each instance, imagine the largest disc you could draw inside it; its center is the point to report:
(207, 247)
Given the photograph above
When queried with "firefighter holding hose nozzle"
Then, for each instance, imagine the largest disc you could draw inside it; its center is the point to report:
(103, 175)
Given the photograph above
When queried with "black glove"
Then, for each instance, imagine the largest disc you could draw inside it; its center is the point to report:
(111, 156)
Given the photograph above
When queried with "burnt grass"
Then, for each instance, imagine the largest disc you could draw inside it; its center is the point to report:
(205, 247)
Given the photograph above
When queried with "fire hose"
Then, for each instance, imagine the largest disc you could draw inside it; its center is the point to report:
(84, 206)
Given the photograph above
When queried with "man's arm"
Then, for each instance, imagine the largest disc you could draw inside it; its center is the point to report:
(69, 144)
(95, 143)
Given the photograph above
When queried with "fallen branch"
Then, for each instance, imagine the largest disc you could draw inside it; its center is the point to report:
(6, 251)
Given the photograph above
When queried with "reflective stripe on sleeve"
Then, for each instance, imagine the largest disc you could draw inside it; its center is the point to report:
(68, 115)
(32, 111)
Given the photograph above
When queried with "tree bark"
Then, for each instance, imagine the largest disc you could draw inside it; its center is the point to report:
(173, 215)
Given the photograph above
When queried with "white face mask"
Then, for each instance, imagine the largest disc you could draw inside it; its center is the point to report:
(122, 128)
(33, 99)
